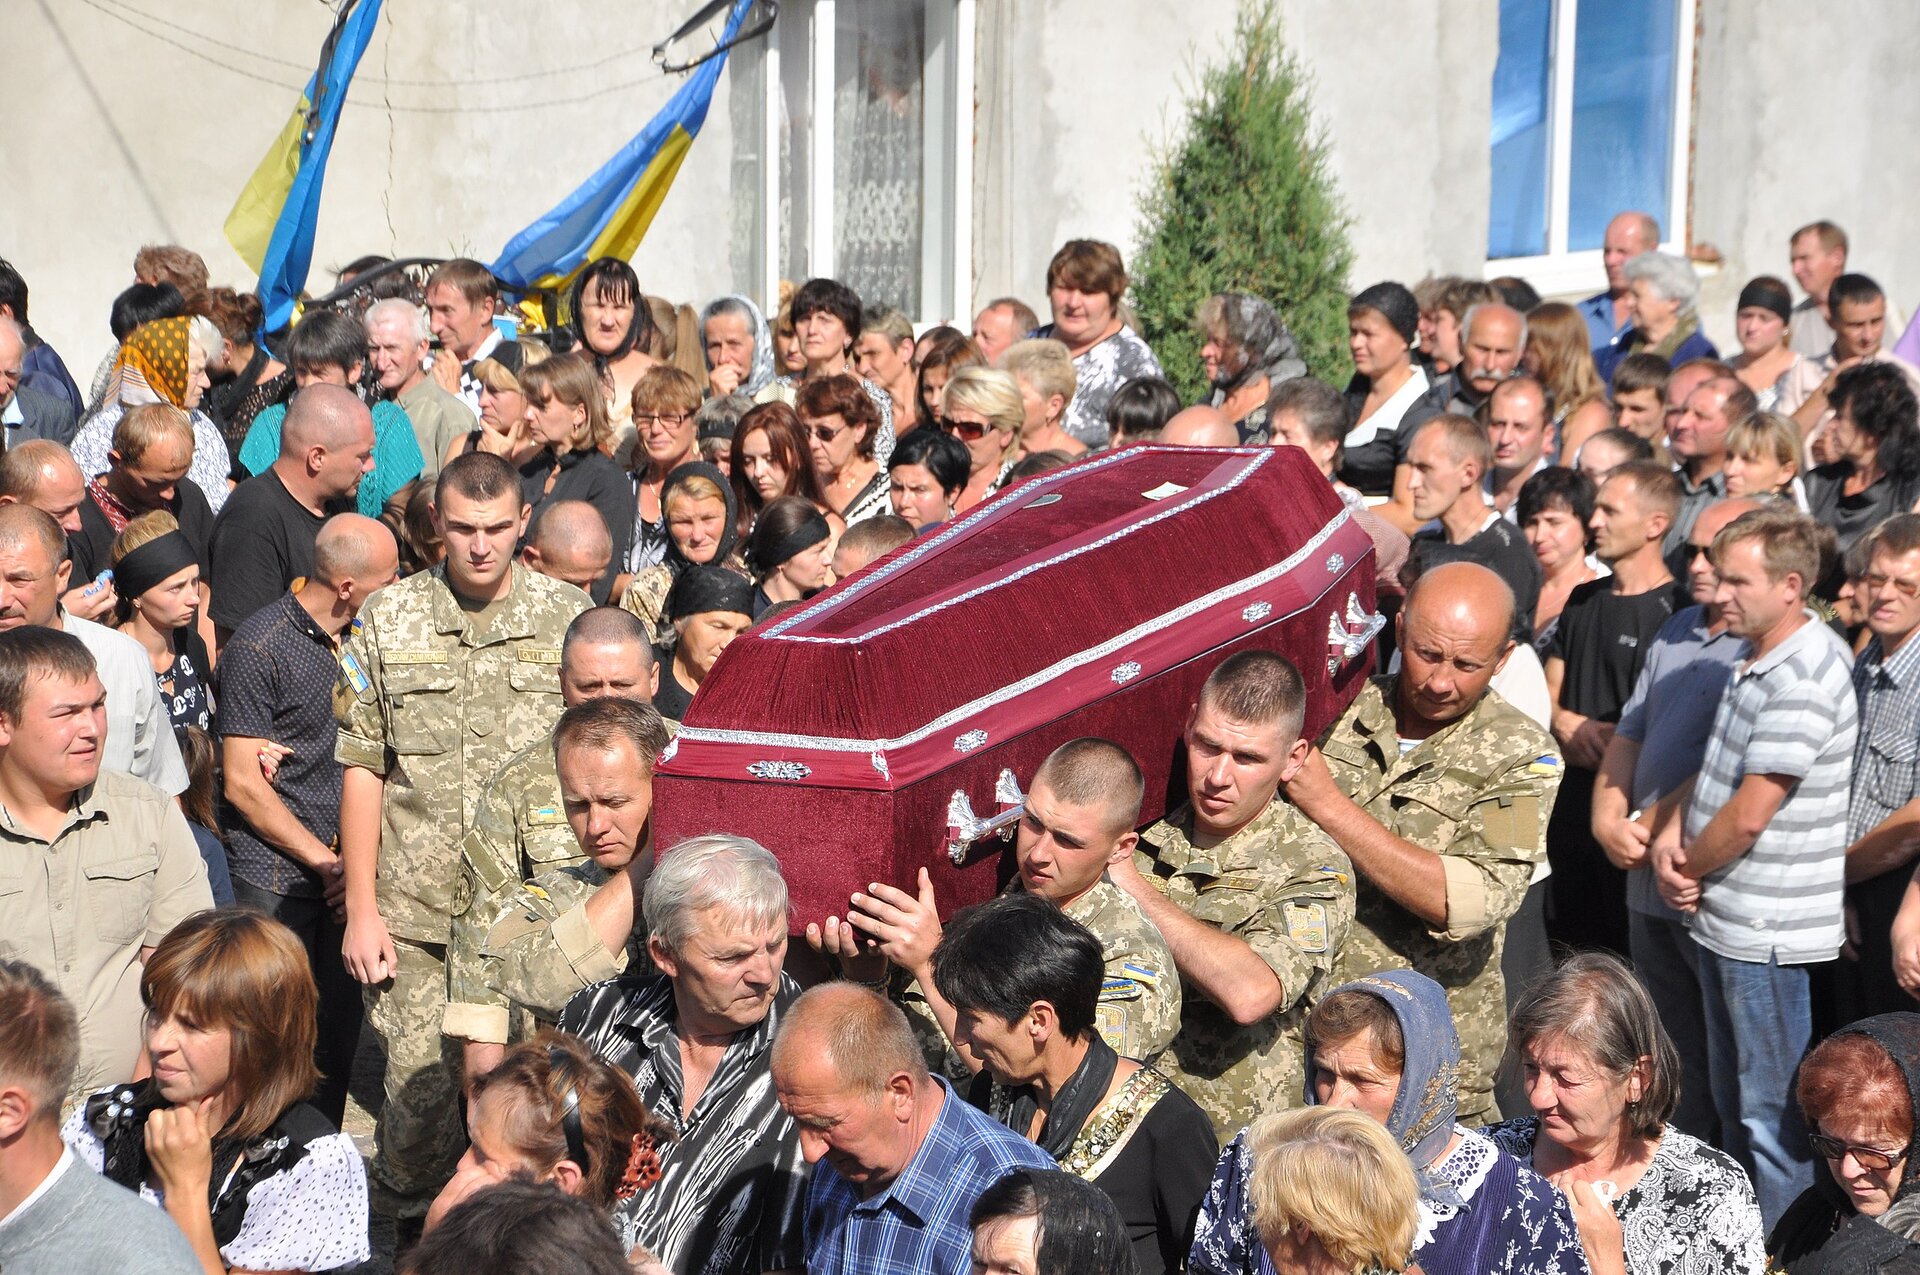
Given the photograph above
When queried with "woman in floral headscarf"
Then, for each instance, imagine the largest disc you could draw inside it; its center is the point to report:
(1385, 1046)
(163, 362)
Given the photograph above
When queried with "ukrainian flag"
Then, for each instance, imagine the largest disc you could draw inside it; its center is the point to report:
(610, 212)
(272, 223)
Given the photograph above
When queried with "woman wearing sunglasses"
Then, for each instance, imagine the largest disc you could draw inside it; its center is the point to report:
(1856, 1090)
(982, 408)
(842, 424)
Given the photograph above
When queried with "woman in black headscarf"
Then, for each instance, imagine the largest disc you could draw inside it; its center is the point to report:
(1857, 1090)
(709, 606)
(789, 552)
(697, 507)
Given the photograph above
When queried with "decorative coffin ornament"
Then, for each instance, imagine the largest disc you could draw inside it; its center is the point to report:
(894, 721)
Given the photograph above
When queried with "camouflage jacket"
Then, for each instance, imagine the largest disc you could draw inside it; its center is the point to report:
(519, 831)
(1139, 1008)
(542, 949)
(1478, 792)
(434, 704)
(1281, 886)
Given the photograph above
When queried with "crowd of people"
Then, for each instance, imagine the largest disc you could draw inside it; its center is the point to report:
(335, 665)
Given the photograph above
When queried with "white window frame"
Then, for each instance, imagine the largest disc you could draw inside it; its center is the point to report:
(946, 273)
(1560, 272)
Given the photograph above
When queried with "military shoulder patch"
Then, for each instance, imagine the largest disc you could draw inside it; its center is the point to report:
(1140, 973)
(1119, 989)
(1306, 925)
(545, 816)
(355, 675)
(1546, 764)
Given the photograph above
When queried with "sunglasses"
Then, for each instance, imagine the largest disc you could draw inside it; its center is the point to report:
(969, 431)
(827, 433)
(1866, 1157)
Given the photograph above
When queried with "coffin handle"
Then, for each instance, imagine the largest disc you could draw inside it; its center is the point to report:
(964, 827)
(1349, 635)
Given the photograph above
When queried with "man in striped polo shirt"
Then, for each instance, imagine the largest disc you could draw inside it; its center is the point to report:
(1759, 865)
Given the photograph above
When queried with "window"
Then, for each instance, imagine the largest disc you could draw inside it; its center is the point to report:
(1591, 115)
(855, 142)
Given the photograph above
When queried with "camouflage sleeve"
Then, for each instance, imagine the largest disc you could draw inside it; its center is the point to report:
(1294, 918)
(1496, 846)
(942, 1058)
(1139, 1009)
(542, 949)
(359, 700)
(490, 878)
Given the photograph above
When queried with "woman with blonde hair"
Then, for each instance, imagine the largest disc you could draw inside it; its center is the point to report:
(1764, 459)
(1558, 355)
(567, 418)
(982, 408)
(1332, 1193)
(157, 603)
(220, 1135)
(503, 428)
(1044, 371)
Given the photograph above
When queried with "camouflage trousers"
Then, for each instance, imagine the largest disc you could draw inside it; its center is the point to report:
(420, 1135)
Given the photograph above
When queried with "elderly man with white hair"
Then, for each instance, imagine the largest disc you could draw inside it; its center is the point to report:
(1662, 293)
(26, 413)
(696, 1034)
(399, 348)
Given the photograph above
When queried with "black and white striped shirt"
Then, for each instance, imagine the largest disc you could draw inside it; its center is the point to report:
(731, 1199)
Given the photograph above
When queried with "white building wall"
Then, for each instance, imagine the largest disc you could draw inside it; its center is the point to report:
(115, 139)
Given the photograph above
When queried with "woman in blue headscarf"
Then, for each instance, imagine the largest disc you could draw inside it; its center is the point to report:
(1385, 1046)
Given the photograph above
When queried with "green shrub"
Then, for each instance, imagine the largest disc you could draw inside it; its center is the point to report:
(1243, 202)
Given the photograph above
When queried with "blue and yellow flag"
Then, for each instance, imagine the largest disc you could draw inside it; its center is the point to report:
(610, 212)
(272, 223)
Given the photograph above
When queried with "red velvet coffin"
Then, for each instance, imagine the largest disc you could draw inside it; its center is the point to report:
(1092, 600)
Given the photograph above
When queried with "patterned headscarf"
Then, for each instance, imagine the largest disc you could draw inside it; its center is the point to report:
(1423, 1108)
(157, 354)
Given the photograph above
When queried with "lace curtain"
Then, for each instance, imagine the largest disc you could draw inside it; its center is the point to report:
(879, 140)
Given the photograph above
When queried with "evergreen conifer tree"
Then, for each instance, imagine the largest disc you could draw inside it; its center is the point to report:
(1242, 202)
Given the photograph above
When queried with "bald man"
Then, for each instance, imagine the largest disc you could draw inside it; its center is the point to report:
(27, 414)
(1628, 235)
(570, 542)
(1200, 426)
(1657, 745)
(277, 674)
(263, 540)
(42, 473)
(1446, 832)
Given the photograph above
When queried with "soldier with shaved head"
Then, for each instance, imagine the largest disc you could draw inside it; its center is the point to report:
(1440, 792)
(570, 543)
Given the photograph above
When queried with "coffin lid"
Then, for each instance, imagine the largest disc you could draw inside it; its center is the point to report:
(1067, 567)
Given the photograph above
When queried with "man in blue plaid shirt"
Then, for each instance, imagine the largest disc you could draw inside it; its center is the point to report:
(898, 1157)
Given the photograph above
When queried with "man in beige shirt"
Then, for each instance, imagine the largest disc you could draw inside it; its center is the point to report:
(1859, 315)
(95, 866)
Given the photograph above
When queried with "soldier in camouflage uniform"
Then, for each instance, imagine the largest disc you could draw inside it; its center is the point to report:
(1080, 813)
(1440, 791)
(446, 674)
(1254, 901)
(520, 831)
(578, 925)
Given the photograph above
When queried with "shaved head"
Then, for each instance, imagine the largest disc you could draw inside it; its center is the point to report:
(1717, 515)
(329, 416)
(1465, 591)
(570, 543)
(351, 546)
(1456, 631)
(1200, 426)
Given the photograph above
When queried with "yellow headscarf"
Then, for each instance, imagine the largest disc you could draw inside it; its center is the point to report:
(157, 352)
